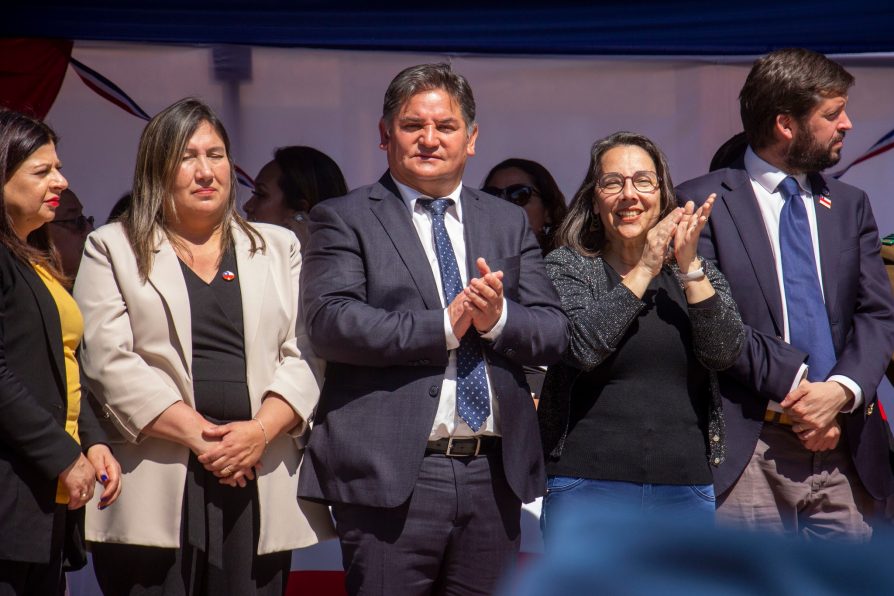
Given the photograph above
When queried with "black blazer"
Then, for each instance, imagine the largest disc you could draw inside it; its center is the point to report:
(858, 301)
(374, 313)
(34, 447)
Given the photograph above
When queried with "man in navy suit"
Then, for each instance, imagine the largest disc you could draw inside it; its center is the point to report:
(807, 450)
(426, 298)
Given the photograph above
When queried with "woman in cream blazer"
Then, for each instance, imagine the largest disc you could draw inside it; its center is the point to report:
(138, 355)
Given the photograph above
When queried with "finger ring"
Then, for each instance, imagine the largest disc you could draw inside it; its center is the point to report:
(226, 471)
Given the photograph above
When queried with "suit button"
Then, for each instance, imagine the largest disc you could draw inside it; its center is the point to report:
(510, 352)
(106, 415)
(424, 361)
(433, 390)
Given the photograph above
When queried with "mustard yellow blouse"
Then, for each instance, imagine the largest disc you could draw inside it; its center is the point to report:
(72, 330)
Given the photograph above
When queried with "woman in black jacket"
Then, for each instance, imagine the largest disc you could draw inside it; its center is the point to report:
(631, 418)
(51, 448)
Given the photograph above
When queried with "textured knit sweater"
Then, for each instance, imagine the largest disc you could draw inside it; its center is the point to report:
(601, 315)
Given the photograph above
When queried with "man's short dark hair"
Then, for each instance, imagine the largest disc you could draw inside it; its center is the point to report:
(425, 77)
(788, 81)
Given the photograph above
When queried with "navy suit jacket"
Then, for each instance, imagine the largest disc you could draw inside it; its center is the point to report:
(858, 301)
(373, 312)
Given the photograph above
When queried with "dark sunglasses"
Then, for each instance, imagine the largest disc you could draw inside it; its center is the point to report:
(519, 194)
(78, 223)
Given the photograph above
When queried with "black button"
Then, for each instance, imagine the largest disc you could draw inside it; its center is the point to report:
(434, 390)
(510, 352)
(424, 361)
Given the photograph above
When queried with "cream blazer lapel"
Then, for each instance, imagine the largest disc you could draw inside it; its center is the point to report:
(254, 273)
(167, 279)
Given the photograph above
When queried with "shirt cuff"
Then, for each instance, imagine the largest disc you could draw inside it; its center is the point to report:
(450, 339)
(855, 389)
(497, 329)
(802, 374)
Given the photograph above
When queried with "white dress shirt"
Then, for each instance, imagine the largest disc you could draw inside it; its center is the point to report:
(447, 422)
(765, 179)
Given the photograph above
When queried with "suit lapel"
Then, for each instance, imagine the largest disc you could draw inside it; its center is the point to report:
(254, 274)
(749, 224)
(49, 313)
(829, 241)
(388, 207)
(167, 279)
(475, 222)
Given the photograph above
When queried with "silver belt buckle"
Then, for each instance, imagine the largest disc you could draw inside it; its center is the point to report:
(449, 452)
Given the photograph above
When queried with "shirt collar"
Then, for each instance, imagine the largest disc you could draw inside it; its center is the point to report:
(768, 175)
(409, 197)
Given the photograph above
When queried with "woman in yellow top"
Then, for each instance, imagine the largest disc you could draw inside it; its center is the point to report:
(52, 451)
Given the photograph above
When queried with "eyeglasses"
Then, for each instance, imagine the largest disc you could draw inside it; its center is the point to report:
(78, 223)
(613, 183)
(519, 194)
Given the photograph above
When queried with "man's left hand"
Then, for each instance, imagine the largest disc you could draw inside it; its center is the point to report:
(485, 296)
(815, 405)
(823, 439)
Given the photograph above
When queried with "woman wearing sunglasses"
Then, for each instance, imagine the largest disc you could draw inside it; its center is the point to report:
(529, 185)
(631, 418)
(69, 230)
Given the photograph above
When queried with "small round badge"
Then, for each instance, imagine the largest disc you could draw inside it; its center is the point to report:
(228, 276)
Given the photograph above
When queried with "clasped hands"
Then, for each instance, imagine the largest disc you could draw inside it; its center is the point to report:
(232, 451)
(683, 226)
(480, 304)
(813, 408)
(80, 478)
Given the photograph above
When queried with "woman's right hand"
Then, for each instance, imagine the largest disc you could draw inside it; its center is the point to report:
(78, 479)
(657, 242)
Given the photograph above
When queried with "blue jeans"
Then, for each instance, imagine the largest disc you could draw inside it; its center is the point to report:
(573, 497)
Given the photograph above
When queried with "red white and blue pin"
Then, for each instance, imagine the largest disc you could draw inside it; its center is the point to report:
(825, 201)
(228, 275)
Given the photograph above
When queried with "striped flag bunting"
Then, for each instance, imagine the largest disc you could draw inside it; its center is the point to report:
(884, 144)
(107, 89)
(115, 94)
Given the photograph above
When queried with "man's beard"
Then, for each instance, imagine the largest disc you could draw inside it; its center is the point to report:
(806, 154)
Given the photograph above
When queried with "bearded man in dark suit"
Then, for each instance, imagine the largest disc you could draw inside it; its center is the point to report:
(807, 449)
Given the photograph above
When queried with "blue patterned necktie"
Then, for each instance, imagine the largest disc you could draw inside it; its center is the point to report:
(808, 323)
(472, 397)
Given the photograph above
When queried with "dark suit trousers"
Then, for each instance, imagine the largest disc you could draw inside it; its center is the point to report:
(457, 534)
(18, 577)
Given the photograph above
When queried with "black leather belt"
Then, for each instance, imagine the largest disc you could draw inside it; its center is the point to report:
(464, 447)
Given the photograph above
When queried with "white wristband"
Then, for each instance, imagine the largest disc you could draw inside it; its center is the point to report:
(693, 275)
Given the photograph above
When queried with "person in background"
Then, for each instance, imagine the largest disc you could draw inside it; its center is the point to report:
(119, 207)
(288, 186)
(631, 418)
(529, 185)
(808, 450)
(52, 450)
(730, 152)
(69, 230)
(194, 347)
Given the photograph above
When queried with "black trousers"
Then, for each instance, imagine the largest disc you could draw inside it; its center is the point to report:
(457, 534)
(18, 578)
(134, 570)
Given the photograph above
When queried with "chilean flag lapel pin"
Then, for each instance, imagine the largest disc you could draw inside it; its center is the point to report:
(825, 201)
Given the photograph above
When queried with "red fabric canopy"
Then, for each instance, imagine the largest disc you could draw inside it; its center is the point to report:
(31, 73)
